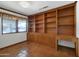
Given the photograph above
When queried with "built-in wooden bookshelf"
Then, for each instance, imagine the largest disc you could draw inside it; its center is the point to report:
(50, 20)
(39, 23)
(58, 23)
(66, 21)
(31, 24)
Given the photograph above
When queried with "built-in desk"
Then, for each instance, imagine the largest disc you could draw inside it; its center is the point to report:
(69, 38)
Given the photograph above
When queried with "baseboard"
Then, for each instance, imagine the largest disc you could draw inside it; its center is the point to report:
(12, 45)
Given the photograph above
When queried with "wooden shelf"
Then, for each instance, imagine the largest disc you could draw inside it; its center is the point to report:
(50, 22)
(67, 37)
(39, 23)
(51, 14)
(37, 20)
(65, 16)
(51, 27)
(66, 30)
(31, 23)
(51, 17)
(65, 24)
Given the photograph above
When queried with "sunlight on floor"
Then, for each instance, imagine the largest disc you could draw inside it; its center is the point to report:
(22, 53)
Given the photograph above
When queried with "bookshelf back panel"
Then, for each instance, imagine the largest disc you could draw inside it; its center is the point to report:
(66, 20)
(39, 17)
(39, 23)
(51, 25)
(50, 22)
(51, 30)
(51, 19)
(31, 23)
(51, 14)
(66, 11)
(68, 30)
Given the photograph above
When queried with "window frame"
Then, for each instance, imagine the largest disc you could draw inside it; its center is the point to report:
(16, 26)
(10, 28)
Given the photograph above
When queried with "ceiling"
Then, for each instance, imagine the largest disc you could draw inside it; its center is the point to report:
(35, 7)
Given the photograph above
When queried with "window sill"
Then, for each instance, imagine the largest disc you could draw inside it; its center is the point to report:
(14, 32)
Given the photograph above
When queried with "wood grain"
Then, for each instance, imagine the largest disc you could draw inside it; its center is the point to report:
(36, 50)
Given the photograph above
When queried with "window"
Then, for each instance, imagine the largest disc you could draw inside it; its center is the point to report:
(21, 25)
(9, 26)
(12, 24)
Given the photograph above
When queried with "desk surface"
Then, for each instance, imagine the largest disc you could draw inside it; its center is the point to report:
(67, 38)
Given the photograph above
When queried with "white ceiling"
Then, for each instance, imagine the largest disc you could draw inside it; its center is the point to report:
(34, 8)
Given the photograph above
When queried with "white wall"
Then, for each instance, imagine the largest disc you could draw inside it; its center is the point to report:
(10, 39)
(77, 21)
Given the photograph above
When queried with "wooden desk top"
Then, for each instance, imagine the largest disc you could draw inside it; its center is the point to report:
(67, 38)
